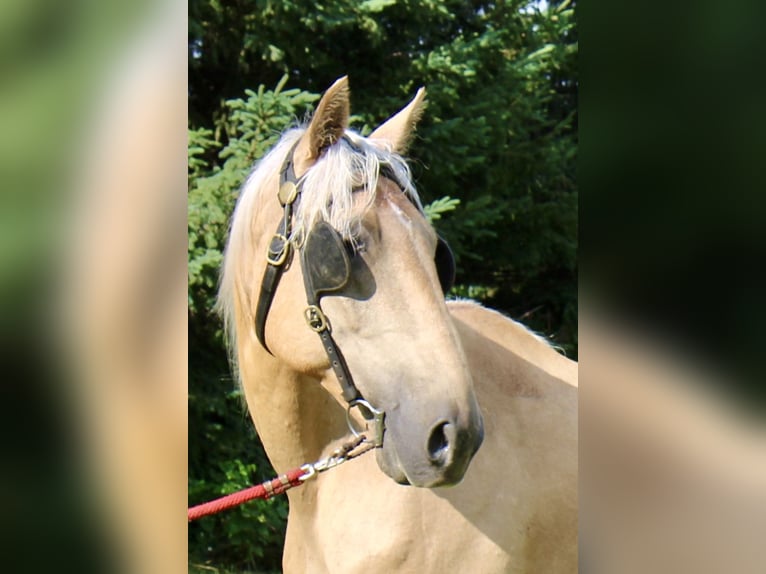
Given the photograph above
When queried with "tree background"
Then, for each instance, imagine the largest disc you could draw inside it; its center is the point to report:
(495, 156)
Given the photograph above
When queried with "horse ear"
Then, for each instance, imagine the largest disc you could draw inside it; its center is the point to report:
(399, 129)
(327, 125)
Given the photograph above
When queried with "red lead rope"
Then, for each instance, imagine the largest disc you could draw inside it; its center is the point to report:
(265, 490)
(284, 482)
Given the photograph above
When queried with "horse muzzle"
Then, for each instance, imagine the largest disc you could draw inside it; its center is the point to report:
(439, 455)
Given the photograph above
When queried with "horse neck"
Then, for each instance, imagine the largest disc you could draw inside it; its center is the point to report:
(296, 415)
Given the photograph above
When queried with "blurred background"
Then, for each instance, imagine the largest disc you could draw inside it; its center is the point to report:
(92, 286)
(672, 246)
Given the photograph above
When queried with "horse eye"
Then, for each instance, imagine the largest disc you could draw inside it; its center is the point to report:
(354, 248)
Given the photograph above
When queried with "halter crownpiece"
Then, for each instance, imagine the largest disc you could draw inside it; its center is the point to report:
(326, 271)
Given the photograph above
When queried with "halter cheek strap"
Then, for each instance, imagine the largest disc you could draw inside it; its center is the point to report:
(326, 270)
(279, 252)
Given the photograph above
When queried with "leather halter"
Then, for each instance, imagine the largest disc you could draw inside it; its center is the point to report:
(280, 252)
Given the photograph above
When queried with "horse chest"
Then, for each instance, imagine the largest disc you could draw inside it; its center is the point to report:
(357, 523)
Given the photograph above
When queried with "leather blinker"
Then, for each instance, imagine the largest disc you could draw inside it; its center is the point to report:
(326, 266)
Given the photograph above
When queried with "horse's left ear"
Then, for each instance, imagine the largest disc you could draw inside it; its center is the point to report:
(399, 129)
(327, 125)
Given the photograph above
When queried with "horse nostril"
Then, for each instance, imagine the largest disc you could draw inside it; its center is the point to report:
(439, 443)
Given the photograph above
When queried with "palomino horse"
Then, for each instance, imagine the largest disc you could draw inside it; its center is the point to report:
(446, 381)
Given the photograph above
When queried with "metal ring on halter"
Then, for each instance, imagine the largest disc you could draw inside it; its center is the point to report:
(315, 318)
(297, 238)
(378, 421)
(277, 258)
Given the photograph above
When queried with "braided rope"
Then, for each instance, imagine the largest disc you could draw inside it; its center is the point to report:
(283, 482)
(264, 491)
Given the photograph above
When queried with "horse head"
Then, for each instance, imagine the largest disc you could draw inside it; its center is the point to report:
(349, 290)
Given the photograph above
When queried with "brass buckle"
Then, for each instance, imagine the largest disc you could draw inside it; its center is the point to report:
(278, 258)
(315, 318)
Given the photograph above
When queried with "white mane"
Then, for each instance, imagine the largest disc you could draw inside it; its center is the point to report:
(329, 187)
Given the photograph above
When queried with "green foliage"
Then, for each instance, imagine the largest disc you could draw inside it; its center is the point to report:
(494, 162)
(436, 208)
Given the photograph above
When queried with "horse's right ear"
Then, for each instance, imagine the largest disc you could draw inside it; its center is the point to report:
(327, 125)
